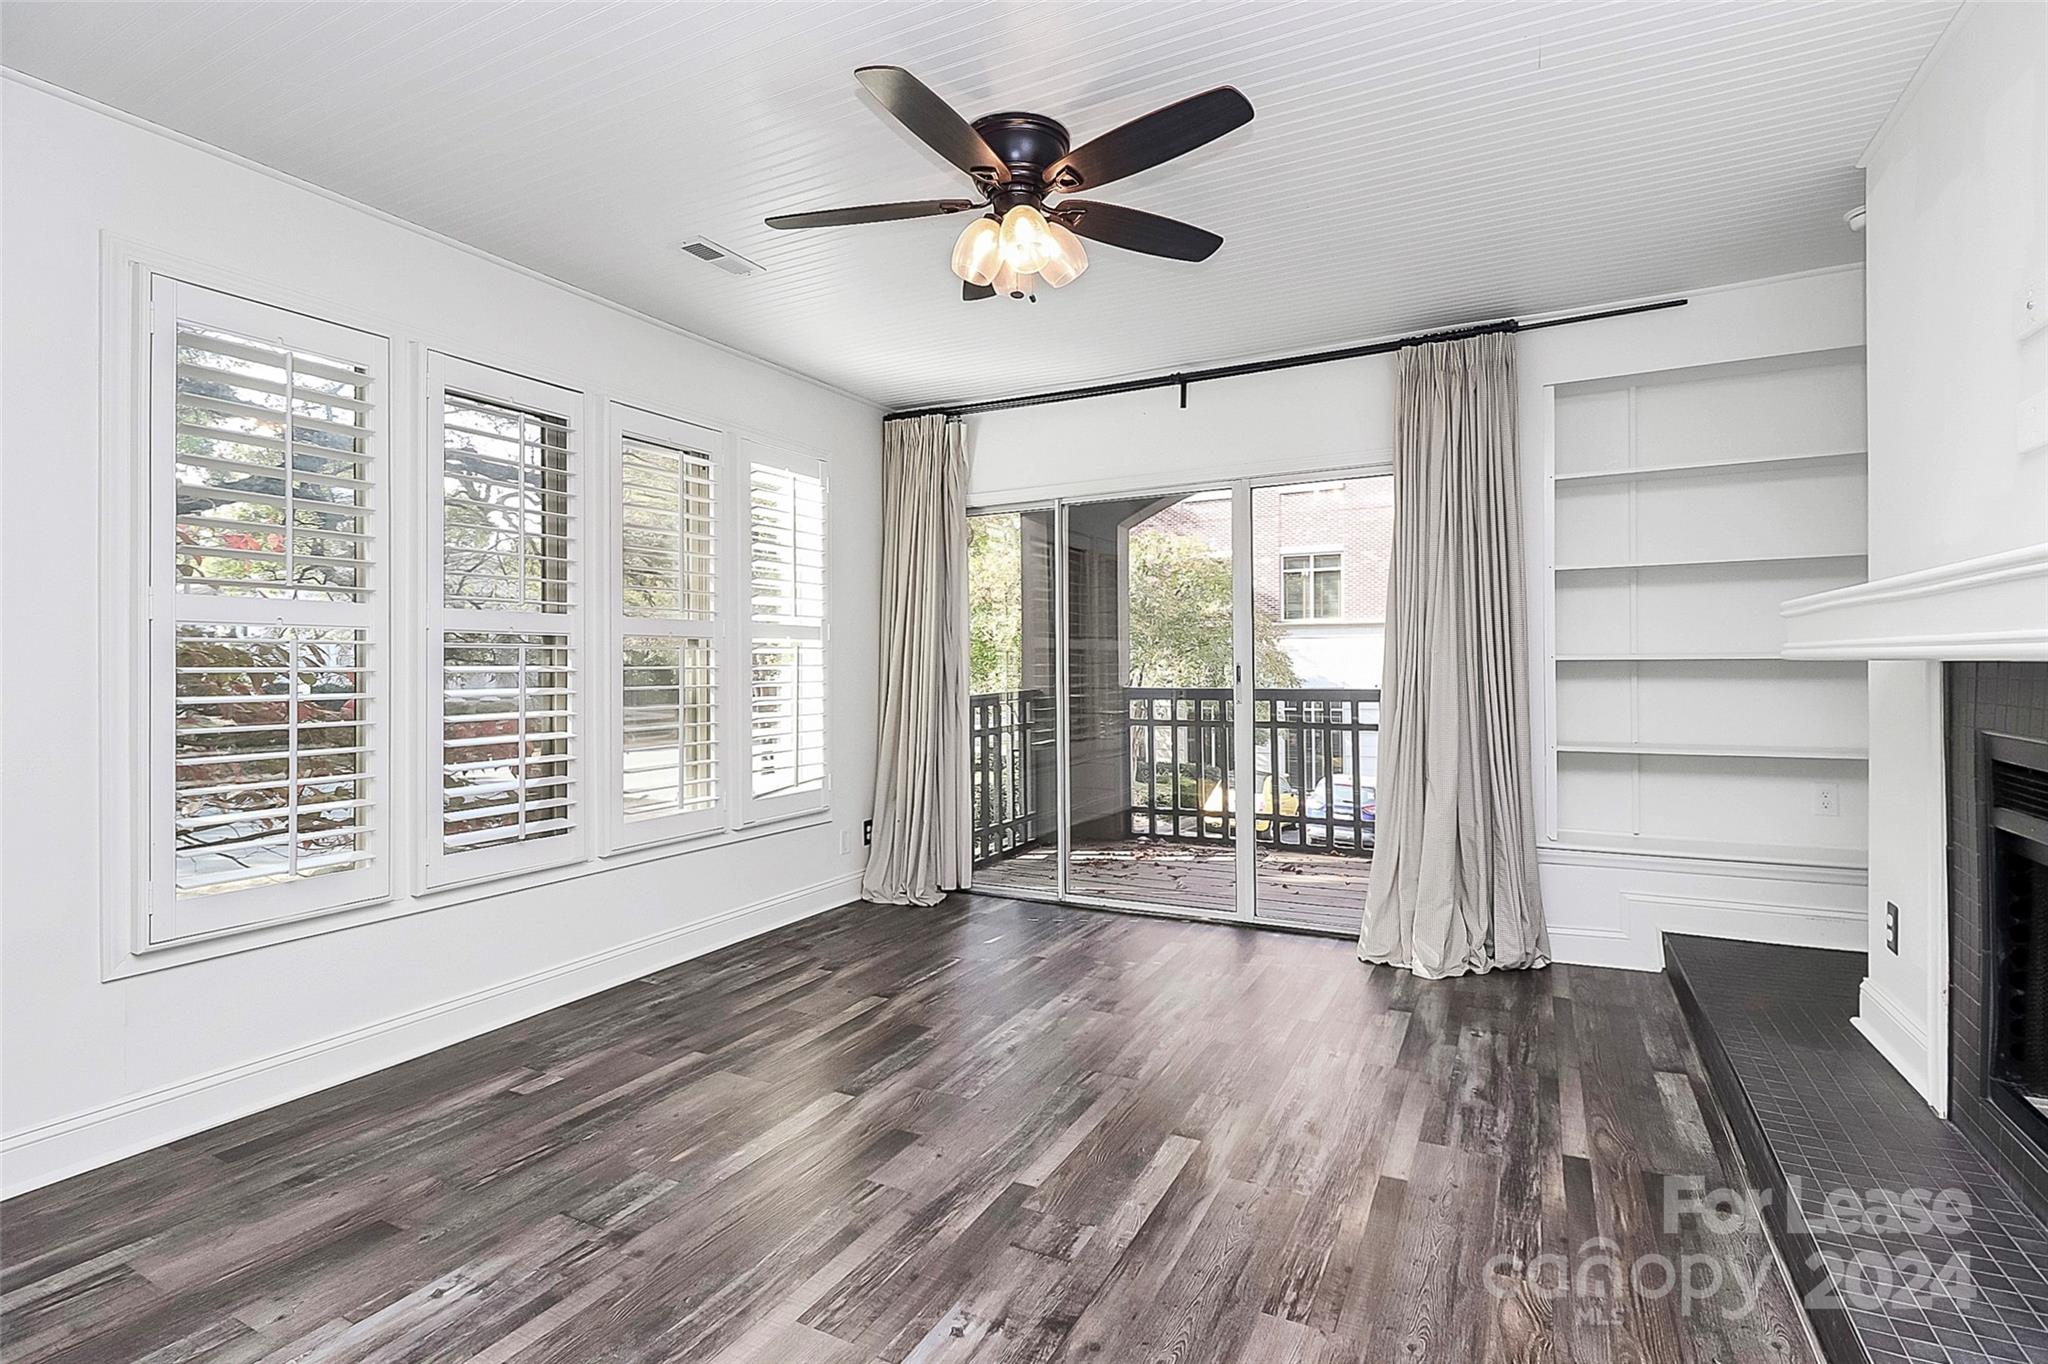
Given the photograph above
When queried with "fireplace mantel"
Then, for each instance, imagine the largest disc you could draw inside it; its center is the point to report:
(1985, 609)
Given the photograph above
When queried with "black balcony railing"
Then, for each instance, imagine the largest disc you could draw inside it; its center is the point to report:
(1315, 758)
(1011, 737)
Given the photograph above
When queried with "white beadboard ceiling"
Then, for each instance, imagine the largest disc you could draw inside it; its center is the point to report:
(1411, 165)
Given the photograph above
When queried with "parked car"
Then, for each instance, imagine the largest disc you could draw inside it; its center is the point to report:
(1290, 803)
(1346, 806)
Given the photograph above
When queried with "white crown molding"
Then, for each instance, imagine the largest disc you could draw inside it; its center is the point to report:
(1988, 608)
(36, 83)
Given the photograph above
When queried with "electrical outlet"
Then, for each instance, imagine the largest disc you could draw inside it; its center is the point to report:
(845, 842)
(1827, 799)
(867, 833)
(1891, 927)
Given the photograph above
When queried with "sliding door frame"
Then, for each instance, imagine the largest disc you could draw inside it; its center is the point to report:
(1242, 799)
(1059, 686)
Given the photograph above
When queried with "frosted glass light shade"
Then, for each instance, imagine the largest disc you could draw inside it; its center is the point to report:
(1014, 283)
(977, 253)
(1027, 240)
(1069, 257)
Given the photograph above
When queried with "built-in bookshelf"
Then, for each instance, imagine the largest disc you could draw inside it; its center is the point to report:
(1685, 506)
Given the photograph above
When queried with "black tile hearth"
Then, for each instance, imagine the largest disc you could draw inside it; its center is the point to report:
(1931, 1257)
(1984, 698)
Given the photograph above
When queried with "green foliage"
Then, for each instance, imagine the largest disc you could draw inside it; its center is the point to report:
(1179, 612)
(1180, 617)
(995, 604)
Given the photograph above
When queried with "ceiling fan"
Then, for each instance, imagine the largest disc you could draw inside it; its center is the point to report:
(1016, 160)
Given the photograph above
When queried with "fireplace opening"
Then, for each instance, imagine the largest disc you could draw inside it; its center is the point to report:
(2016, 906)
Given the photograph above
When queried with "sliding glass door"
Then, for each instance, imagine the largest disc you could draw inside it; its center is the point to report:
(1150, 705)
(1175, 699)
(1318, 559)
(1013, 676)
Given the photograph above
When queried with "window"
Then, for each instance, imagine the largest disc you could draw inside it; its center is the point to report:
(503, 599)
(786, 742)
(267, 712)
(1311, 586)
(667, 774)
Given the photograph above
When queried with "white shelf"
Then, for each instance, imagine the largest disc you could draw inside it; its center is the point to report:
(1587, 840)
(1684, 507)
(1671, 658)
(1770, 752)
(1739, 559)
(1707, 467)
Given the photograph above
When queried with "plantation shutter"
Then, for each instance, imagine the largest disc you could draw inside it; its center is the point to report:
(786, 699)
(666, 760)
(504, 605)
(269, 725)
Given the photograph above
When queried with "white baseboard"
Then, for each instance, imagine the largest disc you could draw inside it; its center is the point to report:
(83, 1141)
(1600, 947)
(1897, 1038)
(1843, 929)
(1636, 941)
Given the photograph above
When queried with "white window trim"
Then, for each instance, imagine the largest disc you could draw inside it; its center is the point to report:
(165, 919)
(624, 420)
(439, 868)
(755, 810)
(1308, 598)
(119, 887)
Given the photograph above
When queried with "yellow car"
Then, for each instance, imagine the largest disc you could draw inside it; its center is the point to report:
(1290, 804)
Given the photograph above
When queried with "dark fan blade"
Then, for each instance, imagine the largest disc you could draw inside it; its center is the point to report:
(1135, 231)
(933, 120)
(872, 213)
(970, 292)
(1145, 142)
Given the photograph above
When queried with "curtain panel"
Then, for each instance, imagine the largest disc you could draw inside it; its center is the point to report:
(923, 835)
(1454, 887)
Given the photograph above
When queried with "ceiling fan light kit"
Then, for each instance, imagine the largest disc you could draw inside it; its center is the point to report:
(1016, 161)
(1008, 257)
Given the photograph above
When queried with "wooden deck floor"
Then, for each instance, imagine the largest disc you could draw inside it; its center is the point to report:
(988, 1132)
(1301, 890)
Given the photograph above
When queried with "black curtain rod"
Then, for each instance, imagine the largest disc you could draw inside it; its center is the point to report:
(1323, 357)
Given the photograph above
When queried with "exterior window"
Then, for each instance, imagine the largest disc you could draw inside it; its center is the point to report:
(506, 791)
(268, 703)
(667, 777)
(786, 699)
(267, 657)
(1311, 586)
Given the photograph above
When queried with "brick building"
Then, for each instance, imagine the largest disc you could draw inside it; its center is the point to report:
(1320, 558)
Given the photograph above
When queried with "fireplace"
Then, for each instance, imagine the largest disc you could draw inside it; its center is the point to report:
(1998, 915)
(2014, 774)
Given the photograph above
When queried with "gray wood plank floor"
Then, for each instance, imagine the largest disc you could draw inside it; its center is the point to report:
(990, 1131)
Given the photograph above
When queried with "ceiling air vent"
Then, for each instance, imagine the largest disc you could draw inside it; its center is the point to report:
(732, 263)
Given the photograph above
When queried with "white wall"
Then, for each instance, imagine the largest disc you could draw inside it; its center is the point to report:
(95, 1069)
(1957, 200)
(1957, 197)
(1603, 908)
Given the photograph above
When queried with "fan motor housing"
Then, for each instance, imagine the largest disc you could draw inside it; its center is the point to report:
(1028, 143)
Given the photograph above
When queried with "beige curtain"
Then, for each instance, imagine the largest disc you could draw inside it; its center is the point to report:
(1453, 887)
(923, 816)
